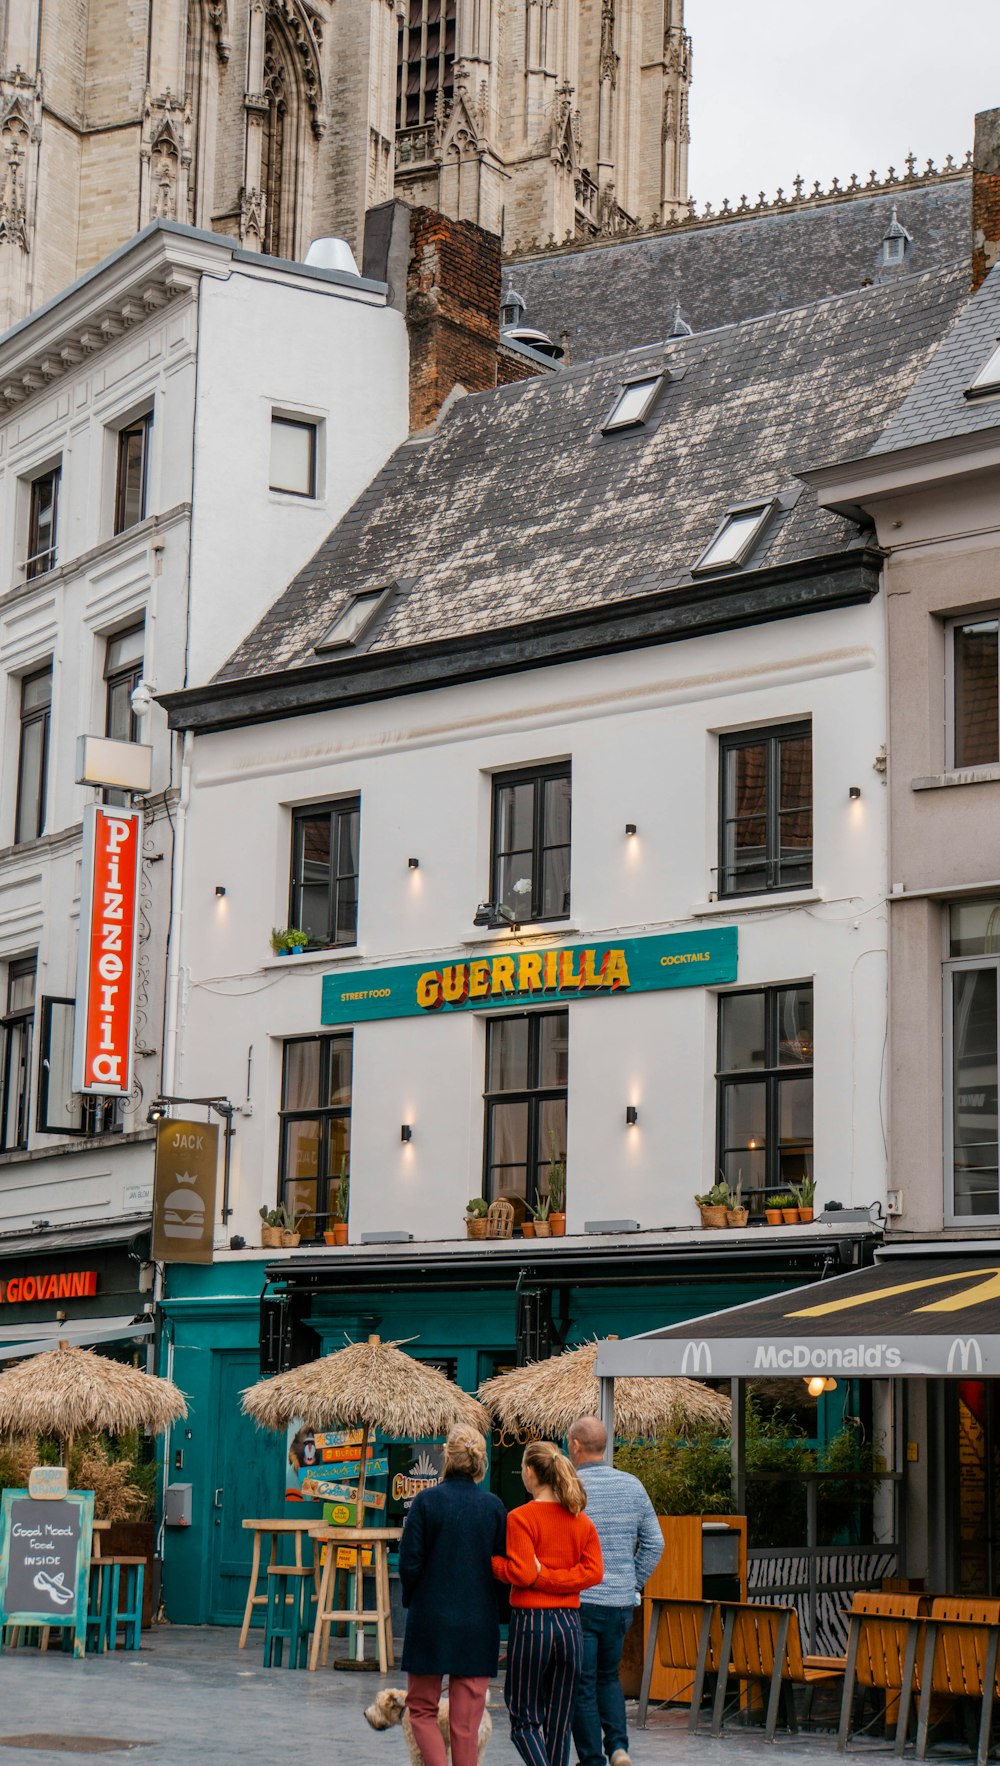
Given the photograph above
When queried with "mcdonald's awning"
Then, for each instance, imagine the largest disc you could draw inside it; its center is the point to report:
(933, 1315)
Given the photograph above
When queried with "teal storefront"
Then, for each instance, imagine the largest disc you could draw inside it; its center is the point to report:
(473, 1315)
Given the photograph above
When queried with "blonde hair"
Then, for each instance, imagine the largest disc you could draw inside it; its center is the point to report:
(465, 1453)
(554, 1470)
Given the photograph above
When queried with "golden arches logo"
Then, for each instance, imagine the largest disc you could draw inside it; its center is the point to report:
(979, 1287)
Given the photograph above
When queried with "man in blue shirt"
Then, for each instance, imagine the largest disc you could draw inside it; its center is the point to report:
(632, 1545)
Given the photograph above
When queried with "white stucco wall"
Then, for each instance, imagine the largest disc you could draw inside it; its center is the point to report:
(641, 731)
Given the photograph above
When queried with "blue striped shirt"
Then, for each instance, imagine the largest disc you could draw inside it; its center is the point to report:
(631, 1541)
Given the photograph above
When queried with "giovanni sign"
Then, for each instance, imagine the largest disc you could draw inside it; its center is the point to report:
(526, 977)
(109, 944)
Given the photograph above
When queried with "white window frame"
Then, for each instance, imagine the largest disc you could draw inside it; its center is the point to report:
(376, 598)
(976, 616)
(738, 512)
(613, 424)
(314, 420)
(988, 378)
(952, 967)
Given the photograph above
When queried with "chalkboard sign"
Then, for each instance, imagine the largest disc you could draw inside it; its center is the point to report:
(45, 1561)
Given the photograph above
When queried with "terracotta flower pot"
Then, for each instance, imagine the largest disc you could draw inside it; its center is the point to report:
(790, 1216)
(340, 1232)
(558, 1224)
(737, 1216)
(476, 1226)
(329, 1237)
(805, 1215)
(528, 1228)
(270, 1238)
(773, 1216)
(543, 1229)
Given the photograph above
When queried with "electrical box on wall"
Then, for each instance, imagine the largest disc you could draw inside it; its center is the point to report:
(894, 1203)
(177, 1507)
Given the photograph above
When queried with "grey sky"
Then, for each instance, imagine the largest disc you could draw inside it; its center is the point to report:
(827, 89)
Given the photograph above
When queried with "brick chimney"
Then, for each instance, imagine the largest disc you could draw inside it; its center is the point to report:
(444, 276)
(985, 196)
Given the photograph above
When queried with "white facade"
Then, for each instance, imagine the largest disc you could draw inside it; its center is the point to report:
(213, 343)
(641, 730)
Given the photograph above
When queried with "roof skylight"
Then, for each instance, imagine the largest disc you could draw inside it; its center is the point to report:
(633, 404)
(733, 541)
(988, 378)
(352, 620)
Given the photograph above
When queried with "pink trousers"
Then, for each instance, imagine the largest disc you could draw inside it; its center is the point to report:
(466, 1702)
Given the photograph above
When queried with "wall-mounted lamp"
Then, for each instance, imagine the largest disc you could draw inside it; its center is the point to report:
(631, 1115)
(817, 1384)
(854, 793)
(156, 1112)
(406, 1132)
(414, 864)
(220, 889)
(630, 828)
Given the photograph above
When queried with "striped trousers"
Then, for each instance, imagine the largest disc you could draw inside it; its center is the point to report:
(544, 1657)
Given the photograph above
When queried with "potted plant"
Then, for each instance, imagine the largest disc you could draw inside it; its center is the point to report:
(543, 1225)
(805, 1195)
(772, 1210)
(557, 1197)
(337, 1234)
(288, 941)
(290, 1226)
(713, 1205)
(270, 1232)
(476, 1211)
(528, 1227)
(736, 1214)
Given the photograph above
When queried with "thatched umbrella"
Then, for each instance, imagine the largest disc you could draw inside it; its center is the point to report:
(68, 1391)
(369, 1386)
(546, 1397)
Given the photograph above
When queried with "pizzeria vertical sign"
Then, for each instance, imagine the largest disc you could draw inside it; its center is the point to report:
(109, 947)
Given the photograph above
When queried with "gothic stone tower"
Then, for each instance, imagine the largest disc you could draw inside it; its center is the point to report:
(277, 121)
(539, 118)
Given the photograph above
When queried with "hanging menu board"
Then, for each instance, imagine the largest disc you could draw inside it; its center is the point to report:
(45, 1561)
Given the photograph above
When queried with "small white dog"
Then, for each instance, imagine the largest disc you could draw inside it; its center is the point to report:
(389, 1708)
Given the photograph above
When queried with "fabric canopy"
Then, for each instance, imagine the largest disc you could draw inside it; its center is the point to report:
(931, 1316)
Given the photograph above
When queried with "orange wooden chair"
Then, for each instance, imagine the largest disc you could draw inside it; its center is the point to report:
(687, 1635)
(763, 1645)
(882, 1657)
(961, 1646)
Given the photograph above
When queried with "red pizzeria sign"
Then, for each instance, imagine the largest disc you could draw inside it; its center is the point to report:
(106, 978)
(79, 1285)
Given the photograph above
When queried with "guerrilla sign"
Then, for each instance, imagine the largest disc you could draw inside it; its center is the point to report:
(17, 1290)
(45, 1561)
(564, 973)
(109, 946)
(184, 1181)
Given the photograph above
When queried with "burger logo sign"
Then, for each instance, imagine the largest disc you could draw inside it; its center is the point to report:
(187, 1156)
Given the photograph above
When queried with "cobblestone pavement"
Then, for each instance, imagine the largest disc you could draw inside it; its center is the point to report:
(190, 1697)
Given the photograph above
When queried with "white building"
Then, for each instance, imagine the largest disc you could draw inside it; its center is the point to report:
(178, 428)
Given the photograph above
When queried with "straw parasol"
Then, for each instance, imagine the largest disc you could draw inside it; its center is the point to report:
(68, 1391)
(546, 1397)
(371, 1385)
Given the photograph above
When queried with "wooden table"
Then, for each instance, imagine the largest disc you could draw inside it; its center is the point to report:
(379, 1540)
(298, 1527)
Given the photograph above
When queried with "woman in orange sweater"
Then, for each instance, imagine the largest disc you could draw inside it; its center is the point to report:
(552, 1553)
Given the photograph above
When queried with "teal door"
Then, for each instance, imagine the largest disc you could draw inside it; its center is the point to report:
(247, 1482)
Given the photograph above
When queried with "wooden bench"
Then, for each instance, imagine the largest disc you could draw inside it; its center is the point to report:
(684, 1634)
(882, 1657)
(762, 1645)
(961, 1645)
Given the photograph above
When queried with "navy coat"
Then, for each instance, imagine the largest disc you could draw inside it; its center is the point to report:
(452, 1602)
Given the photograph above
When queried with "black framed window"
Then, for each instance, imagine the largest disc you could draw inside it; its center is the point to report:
(765, 810)
(61, 1110)
(315, 1126)
(43, 515)
(324, 893)
(975, 691)
(33, 754)
(527, 1076)
(132, 472)
(15, 1054)
(765, 1090)
(530, 863)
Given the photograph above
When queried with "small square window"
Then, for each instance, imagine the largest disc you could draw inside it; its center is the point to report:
(293, 457)
(355, 618)
(633, 404)
(732, 543)
(988, 378)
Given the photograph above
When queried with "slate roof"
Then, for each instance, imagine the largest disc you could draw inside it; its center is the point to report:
(615, 296)
(516, 508)
(936, 407)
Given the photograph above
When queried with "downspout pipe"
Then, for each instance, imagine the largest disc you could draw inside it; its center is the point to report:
(171, 1015)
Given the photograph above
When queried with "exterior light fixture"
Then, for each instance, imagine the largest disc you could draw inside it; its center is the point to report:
(817, 1384)
(631, 1115)
(157, 1111)
(854, 793)
(414, 864)
(220, 889)
(495, 915)
(406, 1132)
(630, 828)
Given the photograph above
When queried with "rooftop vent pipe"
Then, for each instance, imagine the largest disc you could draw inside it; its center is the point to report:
(332, 254)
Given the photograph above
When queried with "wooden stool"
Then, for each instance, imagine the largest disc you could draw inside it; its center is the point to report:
(131, 1574)
(378, 1618)
(104, 1576)
(289, 1599)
